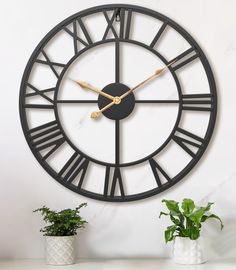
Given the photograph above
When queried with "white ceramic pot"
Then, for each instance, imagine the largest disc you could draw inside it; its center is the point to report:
(60, 250)
(187, 251)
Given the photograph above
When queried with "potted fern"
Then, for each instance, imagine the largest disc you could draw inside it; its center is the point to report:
(185, 231)
(60, 233)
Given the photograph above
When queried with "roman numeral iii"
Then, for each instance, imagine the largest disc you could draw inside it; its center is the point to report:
(197, 102)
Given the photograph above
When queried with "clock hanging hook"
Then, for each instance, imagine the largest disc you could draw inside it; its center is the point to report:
(118, 15)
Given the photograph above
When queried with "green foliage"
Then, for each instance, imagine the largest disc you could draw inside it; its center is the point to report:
(61, 223)
(187, 220)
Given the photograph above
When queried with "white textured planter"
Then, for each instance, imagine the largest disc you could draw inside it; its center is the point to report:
(187, 251)
(60, 250)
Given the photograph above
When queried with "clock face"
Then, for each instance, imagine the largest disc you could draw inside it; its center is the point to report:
(118, 103)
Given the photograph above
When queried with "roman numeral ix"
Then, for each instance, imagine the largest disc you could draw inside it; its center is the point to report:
(42, 94)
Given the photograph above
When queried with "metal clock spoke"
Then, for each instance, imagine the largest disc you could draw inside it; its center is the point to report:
(77, 101)
(165, 101)
(117, 61)
(117, 142)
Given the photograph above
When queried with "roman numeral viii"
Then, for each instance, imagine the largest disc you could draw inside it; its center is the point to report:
(116, 182)
(76, 166)
(47, 137)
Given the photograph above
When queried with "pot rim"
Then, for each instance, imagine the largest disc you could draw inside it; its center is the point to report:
(187, 238)
(60, 236)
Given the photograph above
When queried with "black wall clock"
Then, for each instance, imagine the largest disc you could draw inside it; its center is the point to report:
(105, 101)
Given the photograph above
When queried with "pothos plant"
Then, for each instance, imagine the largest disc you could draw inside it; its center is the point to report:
(62, 223)
(187, 220)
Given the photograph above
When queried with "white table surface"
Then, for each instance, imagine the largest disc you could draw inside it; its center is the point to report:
(118, 264)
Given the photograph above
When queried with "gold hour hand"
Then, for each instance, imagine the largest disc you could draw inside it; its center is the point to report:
(85, 85)
(116, 101)
(98, 113)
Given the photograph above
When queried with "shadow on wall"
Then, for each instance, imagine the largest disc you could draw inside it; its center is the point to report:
(221, 244)
(82, 238)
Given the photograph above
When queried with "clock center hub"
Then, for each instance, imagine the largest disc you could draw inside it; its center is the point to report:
(122, 107)
(117, 100)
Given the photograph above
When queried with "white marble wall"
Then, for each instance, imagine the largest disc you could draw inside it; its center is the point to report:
(114, 230)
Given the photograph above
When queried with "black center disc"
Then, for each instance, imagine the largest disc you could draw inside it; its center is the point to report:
(117, 111)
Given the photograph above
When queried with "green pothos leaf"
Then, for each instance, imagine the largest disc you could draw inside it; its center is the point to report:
(205, 217)
(172, 206)
(169, 233)
(163, 213)
(188, 206)
(187, 221)
(194, 233)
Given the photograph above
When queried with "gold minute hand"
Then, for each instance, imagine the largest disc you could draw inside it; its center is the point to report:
(94, 89)
(157, 73)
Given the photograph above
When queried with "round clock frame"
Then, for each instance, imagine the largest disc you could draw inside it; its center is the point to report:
(80, 159)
